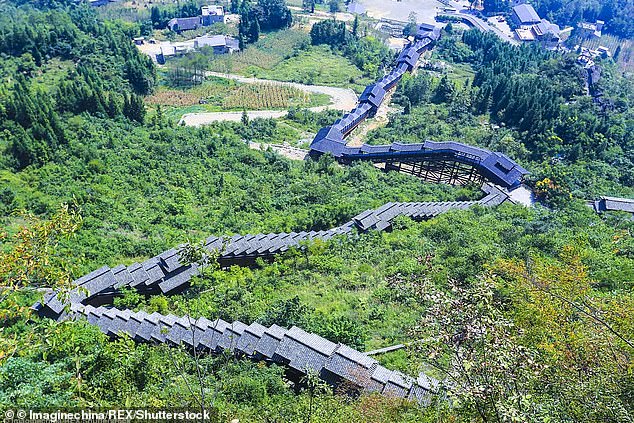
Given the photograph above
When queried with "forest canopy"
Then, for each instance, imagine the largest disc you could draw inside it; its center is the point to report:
(521, 313)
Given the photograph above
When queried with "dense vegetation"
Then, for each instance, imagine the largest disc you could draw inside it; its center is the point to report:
(266, 15)
(373, 292)
(30, 114)
(525, 312)
(368, 54)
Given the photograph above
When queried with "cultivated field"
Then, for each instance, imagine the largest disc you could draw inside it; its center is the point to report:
(226, 95)
(266, 96)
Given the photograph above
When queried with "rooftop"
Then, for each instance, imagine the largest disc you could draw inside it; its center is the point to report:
(212, 10)
(356, 8)
(545, 27)
(615, 204)
(210, 41)
(184, 24)
(526, 13)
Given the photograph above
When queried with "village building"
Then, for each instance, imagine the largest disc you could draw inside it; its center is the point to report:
(532, 28)
(212, 14)
(209, 15)
(591, 30)
(525, 15)
(221, 44)
(184, 24)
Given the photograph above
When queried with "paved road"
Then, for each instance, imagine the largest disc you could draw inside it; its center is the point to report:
(426, 11)
(341, 99)
(481, 24)
(484, 26)
(198, 119)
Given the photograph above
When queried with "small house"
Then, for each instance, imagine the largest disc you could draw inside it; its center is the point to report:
(221, 44)
(604, 51)
(547, 33)
(168, 50)
(184, 24)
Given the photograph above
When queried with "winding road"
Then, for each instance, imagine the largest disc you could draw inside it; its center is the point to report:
(341, 99)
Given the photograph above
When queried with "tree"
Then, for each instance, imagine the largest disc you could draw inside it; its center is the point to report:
(445, 91)
(249, 28)
(487, 373)
(495, 6)
(31, 125)
(334, 6)
(407, 109)
(134, 108)
(287, 313)
(254, 31)
(114, 107)
(33, 261)
(344, 330)
(412, 26)
(585, 337)
(416, 89)
(309, 5)
(273, 14)
(330, 32)
(156, 17)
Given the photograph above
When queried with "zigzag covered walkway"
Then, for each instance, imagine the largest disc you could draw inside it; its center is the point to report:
(294, 348)
(298, 351)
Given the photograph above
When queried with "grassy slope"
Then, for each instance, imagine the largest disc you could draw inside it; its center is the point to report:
(317, 65)
(288, 56)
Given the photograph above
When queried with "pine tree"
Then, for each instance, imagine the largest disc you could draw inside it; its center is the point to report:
(159, 118)
(408, 107)
(254, 31)
(114, 108)
(137, 108)
(444, 91)
(127, 110)
(155, 17)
